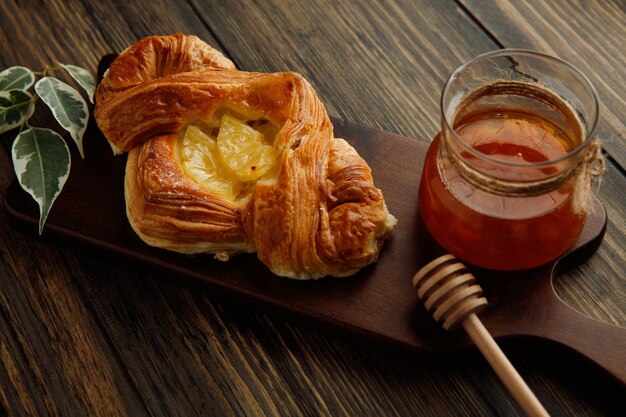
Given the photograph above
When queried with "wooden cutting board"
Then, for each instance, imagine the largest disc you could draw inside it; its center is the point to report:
(379, 302)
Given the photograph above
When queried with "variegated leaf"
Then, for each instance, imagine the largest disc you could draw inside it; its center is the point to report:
(16, 78)
(16, 107)
(41, 160)
(83, 78)
(67, 106)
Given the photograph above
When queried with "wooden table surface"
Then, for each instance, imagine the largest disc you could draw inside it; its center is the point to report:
(81, 335)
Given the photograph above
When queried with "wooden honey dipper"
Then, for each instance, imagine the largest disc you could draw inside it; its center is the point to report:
(450, 293)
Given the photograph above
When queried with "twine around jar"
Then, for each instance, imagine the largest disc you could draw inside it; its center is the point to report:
(589, 162)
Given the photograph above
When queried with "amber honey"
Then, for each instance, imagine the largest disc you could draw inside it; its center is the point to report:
(496, 231)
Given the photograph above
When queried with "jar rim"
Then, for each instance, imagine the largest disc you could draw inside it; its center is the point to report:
(589, 133)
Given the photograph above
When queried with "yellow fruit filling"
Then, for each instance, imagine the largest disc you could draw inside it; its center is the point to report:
(228, 162)
(201, 162)
(243, 150)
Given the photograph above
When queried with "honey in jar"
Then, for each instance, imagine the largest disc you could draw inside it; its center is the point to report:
(499, 183)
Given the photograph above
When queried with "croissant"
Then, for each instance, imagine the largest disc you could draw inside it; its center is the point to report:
(224, 161)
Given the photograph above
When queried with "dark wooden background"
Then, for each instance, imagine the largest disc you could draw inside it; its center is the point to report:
(80, 335)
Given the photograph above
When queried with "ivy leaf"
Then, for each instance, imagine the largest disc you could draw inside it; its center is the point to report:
(67, 106)
(16, 78)
(41, 160)
(83, 78)
(16, 107)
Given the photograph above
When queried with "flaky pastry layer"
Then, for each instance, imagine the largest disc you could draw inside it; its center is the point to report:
(318, 214)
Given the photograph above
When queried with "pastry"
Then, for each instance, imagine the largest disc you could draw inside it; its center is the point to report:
(225, 161)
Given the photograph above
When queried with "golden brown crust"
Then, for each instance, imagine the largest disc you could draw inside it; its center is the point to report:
(323, 217)
(169, 210)
(320, 215)
(155, 57)
(150, 59)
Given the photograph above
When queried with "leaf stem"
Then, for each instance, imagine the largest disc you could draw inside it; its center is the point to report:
(50, 68)
(32, 102)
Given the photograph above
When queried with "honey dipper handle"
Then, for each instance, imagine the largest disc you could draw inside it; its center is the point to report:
(503, 368)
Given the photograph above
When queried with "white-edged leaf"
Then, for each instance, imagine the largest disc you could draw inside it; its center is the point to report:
(67, 106)
(83, 78)
(41, 160)
(16, 107)
(16, 78)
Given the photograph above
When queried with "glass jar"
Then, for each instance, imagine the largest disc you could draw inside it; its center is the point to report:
(506, 183)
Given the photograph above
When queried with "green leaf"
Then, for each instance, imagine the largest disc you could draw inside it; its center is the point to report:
(83, 78)
(67, 106)
(16, 78)
(41, 160)
(16, 107)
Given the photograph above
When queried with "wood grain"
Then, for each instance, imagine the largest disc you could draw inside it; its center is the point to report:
(590, 35)
(385, 71)
(178, 351)
(413, 61)
(50, 339)
(377, 302)
(404, 57)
